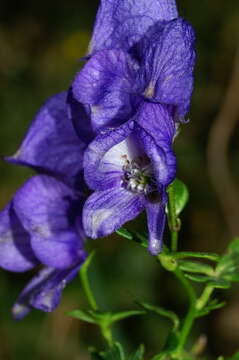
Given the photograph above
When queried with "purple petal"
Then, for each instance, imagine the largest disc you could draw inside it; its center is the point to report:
(15, 247)
(156, 223)
(48, 210)
(105, 83)
(44, 291)
(106, 211)
(131, 19)
(51, 144)
(157, 121)
(162, 157)
(102, 169)
(167, 69)
(80, 117)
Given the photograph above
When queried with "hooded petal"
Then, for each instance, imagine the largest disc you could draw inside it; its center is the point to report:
(105, 83)
(167, 70)
(156, 223)
(161, 156)
(131, 19)
(102, 160)
(80, 118)
(49, 211)
(51, 144)
(15, 247)
(44, 291)
(157, 121)
(106, 211)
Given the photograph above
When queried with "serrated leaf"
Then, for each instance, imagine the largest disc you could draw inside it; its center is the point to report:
(196, 267)
(181, 195)
(125, 314)
(161, 311)
(116, 352)
(138, 355)
(82, 315)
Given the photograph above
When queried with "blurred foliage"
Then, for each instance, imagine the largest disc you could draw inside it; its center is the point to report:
(41, 44)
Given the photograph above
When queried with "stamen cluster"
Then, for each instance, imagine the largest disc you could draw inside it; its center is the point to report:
(137, 176)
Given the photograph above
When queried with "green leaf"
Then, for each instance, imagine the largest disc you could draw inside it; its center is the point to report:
(181, 195)
(161, 311)
(82, 315)
(198, 278)
(200, 255)
(138, 355)
(228, 267)
(213, 305)
(124, 233)
(125, 314)
(196, 267)
(116, 352)
(172, 341)
(133, 236)
(220, 284)
(234, 357)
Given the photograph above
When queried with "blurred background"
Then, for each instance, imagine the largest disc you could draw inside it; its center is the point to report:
(41, 43)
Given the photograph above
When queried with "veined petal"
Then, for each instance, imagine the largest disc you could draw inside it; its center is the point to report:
(102, 160)
(161, 156)
(51, 144)
(48, 210)
(106, 211)
(80, 118)
(16, 253)
(135, 17)
(105, 83)
(157, 120)
(156, 223)
(44, 291)
(167, 70)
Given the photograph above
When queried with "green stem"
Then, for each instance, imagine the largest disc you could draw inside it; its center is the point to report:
(202, 301)
(173, 219)
(107, 334)
(189, 319)
(87, 288)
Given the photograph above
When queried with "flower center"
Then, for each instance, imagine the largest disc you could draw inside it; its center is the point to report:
(137, 176)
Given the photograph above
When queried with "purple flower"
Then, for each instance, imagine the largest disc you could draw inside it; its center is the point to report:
(116, 79)
(42, 224)
(129, 172)
(134, 90)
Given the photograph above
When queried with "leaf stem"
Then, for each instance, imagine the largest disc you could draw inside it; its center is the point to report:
(174, 222)
(189, 319)
(85, 283)
(203, 299)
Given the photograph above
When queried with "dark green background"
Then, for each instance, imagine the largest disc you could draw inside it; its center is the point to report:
(40, 46)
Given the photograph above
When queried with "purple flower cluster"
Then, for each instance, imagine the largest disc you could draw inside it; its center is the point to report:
(110, 135)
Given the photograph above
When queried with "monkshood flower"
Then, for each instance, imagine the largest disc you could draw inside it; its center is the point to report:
(152, 60)
(139, 72)
(42, 224)
(129, 173)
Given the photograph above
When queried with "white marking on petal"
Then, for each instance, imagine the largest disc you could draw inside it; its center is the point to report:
(149, 92)
(117, 154)
(98, 216)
